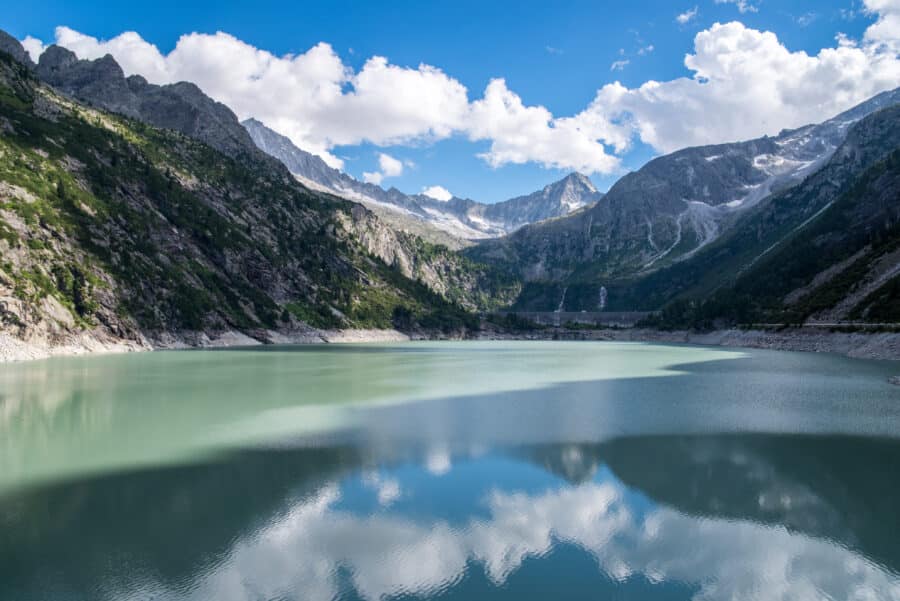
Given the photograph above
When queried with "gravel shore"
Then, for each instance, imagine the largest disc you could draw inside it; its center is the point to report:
(857, 344)
(861, 345)
(13, 349)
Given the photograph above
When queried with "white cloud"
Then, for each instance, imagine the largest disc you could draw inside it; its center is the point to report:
(319, 102)
(314, 548)
(390, 166)
(372, 177)
(687, 16)
(619, 65)
(743, 6)
(885, 32)
(313, 98)
(522, 134)
(744, 83)
(644, 50)
(387, 490)
(34, 47)
(437, 193)
(438, 461)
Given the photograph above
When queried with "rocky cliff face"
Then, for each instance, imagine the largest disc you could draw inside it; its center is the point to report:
(463, 218)
(474, 286)
(11, 46)
(181, 106)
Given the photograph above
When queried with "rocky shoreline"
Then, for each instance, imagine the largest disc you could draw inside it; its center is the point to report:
(13, 349)
(862, 345)
(883, 345)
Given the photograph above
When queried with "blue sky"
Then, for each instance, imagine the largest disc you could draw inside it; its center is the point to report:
(556, 55)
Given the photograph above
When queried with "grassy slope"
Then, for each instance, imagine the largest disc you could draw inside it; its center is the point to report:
(125, 225)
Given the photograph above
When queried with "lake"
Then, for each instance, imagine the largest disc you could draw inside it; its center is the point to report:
(470, 470)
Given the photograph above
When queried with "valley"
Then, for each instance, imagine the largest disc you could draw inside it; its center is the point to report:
(140, 216)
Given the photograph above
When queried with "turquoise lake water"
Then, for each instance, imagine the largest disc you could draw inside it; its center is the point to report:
(471, 470)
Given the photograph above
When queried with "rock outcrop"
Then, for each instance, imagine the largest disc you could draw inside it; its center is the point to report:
(180, 106)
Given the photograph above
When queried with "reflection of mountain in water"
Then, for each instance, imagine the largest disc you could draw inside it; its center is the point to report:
(842, 488)
(174, 522)
(282, 521)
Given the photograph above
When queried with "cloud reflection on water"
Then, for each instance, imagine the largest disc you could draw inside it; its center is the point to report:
(300, 554)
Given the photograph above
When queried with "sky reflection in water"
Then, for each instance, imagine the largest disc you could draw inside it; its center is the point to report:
(722, 476)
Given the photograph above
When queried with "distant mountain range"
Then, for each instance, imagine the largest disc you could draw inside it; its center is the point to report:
(460, 217)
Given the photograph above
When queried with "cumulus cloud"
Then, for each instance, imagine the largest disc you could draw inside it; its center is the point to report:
(387, 490)
(522, 134)
(437, 193)
(885, 32)
(743, 83)
(687, 16)
(438, 462)
(314, 545)
(313, 97)
(33, 46)
(746, 84)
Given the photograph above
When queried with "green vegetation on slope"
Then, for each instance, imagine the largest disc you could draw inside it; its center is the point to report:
(131, 227)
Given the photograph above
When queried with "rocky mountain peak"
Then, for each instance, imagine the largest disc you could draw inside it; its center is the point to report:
(579, 180)
(14, 48)
(55, 58)
(180, 106)
(136, 83)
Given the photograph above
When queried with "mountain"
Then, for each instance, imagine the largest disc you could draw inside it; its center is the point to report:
(669, 212)
(462, 218)
(826, 250)
(573, 192)
(117, 230)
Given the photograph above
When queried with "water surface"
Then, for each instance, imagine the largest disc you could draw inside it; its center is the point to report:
(450, 471)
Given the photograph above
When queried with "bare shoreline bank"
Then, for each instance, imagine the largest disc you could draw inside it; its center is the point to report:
(860, 345)
(863, 345)
(14, 350)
